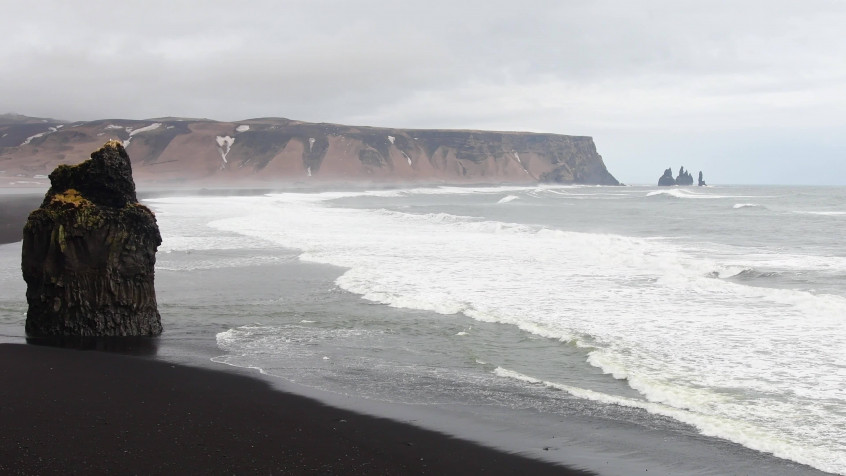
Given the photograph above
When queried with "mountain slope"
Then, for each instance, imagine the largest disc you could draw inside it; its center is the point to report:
(258, 151)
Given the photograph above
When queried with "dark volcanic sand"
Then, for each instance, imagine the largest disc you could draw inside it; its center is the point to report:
(69, 411)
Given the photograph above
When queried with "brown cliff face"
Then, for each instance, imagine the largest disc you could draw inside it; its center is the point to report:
(89, 253)
(173, 151)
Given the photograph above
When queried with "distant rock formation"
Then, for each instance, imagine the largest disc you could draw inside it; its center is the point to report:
(168, 151)
(684, 177)
(667, 179)
(701, 181)
(89, 253)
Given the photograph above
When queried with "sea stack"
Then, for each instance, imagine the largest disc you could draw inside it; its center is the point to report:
(667, 179)
(89, 253)
(684, 177)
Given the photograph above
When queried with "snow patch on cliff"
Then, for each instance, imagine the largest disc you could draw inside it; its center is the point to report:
(242, 128)
(311, 141)
(517, 156)
(151, 127)
(224, 145)
(133, 132)
(392, 139)
(41, 134)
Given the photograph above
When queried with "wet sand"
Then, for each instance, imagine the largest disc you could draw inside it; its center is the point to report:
(72, 411)
(94, 412)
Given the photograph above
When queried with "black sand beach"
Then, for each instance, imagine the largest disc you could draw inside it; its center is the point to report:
(85, 412)
(65, 411)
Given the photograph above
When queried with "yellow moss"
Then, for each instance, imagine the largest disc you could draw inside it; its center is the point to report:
(61, 239)
(112, 144)
(70, 196)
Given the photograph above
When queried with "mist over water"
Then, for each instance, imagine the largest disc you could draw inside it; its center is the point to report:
(722, 308)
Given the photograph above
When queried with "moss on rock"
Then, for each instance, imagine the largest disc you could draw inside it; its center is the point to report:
(89, 253)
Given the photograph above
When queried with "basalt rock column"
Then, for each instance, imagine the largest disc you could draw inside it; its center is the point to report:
(89, 253)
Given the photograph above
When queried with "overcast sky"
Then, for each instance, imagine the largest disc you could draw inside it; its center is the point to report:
(748, 91)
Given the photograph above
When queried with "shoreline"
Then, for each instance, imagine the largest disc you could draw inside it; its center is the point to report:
(122, 413)
(588, 440)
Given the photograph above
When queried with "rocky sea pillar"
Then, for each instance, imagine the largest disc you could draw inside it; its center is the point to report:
(89, 253)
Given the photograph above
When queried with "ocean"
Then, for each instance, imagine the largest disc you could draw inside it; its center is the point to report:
(708, 324)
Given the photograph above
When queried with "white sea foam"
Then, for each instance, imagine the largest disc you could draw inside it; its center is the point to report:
(737, 361)
(508, 198)
(745, 205)
(793, 262)
(451, 190)
(709, 424)
(183, 224)
(678, 193)
(824, 213)
(166, 263)
(684, 193)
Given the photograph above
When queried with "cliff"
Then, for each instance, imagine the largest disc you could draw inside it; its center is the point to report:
(89, 253)
(183, 151)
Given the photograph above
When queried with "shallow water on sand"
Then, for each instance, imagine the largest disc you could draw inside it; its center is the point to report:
(625, 321)
(703, 305)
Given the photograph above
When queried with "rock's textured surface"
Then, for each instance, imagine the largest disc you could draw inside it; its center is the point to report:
(89, 253)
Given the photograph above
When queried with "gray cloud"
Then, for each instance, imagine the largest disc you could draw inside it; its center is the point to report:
(628, 73)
